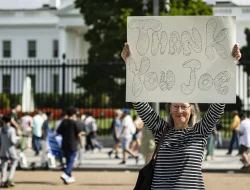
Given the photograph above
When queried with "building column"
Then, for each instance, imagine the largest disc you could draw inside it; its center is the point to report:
(78, 46)
(63, 41)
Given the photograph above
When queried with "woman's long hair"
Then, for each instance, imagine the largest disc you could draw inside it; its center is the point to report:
(194, 117)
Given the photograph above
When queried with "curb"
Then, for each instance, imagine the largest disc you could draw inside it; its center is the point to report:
(126, 169)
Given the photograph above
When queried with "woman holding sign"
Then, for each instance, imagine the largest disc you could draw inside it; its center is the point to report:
(178, 164)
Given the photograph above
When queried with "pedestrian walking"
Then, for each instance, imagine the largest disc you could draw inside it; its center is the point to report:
(136, 138)
(46, 127)
(211, 145)
(81, 150)
(233, 127)
(244, 132)
(178, 163)
(71, 136)
(116, 129)
(147, 144)
(37, 131)
(58, 138)
(26, 126)
(89, 125)
(8, 140)
(218, 139)
(91, 130)
(126, 136)
(15, 120)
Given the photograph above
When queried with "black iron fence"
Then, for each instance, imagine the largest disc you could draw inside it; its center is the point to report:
(59, 83)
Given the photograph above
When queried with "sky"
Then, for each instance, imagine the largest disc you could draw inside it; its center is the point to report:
(237, 2)
(24, 4)
(33, 4)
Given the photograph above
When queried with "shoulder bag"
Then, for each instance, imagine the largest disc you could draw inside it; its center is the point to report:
(145, 176)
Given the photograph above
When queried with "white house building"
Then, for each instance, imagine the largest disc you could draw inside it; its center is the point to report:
(240, 9)
(38, 30)
(45, 30)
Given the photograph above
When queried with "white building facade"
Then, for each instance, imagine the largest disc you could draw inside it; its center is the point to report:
(240, 9)
(41, 30)
(33, 30)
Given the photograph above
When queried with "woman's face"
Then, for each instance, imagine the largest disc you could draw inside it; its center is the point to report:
(181, 113)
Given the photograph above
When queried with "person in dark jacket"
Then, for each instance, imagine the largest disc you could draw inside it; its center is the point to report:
(71, 136)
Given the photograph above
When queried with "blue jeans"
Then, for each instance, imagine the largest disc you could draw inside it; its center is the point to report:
(70, 158)
(234, 139)
(36, 143)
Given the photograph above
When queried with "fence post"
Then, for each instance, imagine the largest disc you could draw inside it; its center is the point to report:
(63, 80)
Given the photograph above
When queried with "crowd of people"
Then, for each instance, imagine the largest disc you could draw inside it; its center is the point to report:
(240, 138)
(185, 137)
(131, 136)
(73, 132)
(240, 128)
(78, 132)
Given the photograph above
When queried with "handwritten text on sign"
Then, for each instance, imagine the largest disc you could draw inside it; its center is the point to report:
(181, 59)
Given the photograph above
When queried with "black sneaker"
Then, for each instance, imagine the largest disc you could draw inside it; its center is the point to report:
(243, 167)
(136, 159)
(4, 185)
(123, 162)
(109, 154)
(117, 157)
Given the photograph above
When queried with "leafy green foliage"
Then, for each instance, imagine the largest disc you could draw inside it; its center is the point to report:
(245, 53)
(107, 21)
(4, 101)
(189, 7)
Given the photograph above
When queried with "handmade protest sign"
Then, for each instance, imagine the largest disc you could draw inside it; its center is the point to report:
(181, 59)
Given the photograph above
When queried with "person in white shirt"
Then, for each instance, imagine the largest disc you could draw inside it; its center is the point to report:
(126, 135)
(91, 130)
(37, 131)
(244, 132)
(26, 126)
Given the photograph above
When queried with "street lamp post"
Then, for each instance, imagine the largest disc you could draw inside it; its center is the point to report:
(156, 7)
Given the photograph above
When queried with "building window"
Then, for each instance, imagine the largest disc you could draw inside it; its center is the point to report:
(6, 84)
(56, 83)
(33, 82)
(55, 48)
(31, 48)
(245, 11)
(6, 49)
(223, 11)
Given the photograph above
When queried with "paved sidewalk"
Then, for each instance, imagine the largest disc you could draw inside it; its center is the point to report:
(99, 161)
(123, 180)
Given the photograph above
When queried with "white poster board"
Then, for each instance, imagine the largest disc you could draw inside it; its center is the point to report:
(181, 59)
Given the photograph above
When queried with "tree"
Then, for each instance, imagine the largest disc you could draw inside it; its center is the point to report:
(245, 56)
(107, 34)
(245, 53)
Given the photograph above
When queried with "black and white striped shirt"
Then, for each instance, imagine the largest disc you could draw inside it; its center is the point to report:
(178, 164)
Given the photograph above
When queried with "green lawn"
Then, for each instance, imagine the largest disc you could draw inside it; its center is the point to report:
(105, 123)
